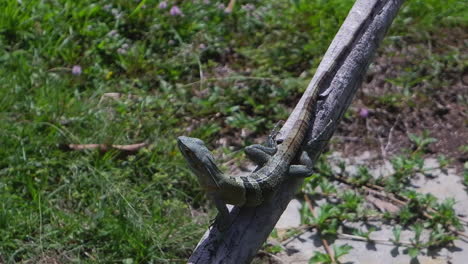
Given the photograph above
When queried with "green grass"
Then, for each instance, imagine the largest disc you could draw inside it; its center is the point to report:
(88, 207)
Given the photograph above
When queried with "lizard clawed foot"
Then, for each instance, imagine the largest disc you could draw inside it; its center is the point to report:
(300, 171)
(303, 169)
(260, 154)
(271, 140)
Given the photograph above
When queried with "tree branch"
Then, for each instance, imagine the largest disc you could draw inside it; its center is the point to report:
(251, 226)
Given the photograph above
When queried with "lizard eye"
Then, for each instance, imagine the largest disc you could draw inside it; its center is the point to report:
(188, 151)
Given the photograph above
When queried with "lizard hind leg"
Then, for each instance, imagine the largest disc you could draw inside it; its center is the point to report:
(300, 171)
(304, 159)
(304, 169)
(259, 154)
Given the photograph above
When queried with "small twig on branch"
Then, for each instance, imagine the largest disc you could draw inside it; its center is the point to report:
(302, 229)
(230, 6)
(106, 147)
(379, 241)
(273, 258)
(374, 189)
(324, 241)
(235, 78)
(390, 135)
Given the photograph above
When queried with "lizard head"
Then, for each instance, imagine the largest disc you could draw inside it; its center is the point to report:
(200, 161)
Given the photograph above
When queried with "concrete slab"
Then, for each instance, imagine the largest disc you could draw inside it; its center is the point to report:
(291, 217)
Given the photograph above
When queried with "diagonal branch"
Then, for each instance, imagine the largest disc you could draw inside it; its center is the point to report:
(360, 35)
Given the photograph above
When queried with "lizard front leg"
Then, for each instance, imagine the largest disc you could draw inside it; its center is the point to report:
(223, 220)
(260, 154)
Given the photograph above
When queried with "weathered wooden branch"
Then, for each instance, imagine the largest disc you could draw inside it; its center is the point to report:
(251, 226)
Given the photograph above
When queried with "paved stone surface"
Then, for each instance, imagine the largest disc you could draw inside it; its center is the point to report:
(441, 184)
(291, 217)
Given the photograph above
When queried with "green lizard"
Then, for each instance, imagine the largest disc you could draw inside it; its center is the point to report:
(274, 160)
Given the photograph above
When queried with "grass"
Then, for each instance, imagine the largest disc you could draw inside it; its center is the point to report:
(83, 206)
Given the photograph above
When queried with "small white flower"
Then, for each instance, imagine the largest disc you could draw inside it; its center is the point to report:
(76, 70)
(162, 5)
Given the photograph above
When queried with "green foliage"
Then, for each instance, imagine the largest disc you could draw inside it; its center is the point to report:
(363, 176)
(463, 148)
(440, 237)
(420, 211)
(443, 161)
(408, 164)
(326, 187)
(192, 74)
(414, 16)
(326, 218)
(465, 177)
(396, 235)
(350, 205)
(414, 251)
(465, 173)
(339, 251)
(273, 249)
(417, 203)
(421, 142)
(445, 214)
(364, 234)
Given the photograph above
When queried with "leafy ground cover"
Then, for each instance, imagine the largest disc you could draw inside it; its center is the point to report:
(183, 68)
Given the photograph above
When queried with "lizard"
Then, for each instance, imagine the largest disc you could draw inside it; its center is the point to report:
(275, 159)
